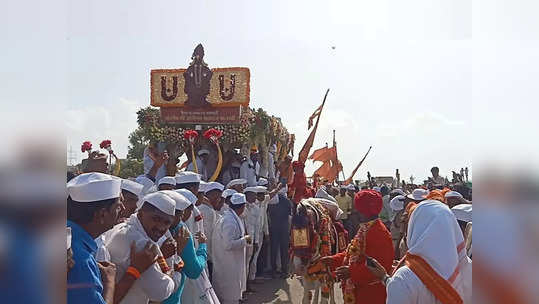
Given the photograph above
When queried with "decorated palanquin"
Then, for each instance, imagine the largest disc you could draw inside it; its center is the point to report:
(313, 236)
(199, 98)
(372, 240)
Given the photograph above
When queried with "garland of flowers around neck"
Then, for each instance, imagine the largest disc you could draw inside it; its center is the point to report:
(324, 234)
(353, 253)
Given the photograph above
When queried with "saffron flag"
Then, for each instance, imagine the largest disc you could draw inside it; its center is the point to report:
(304, 153)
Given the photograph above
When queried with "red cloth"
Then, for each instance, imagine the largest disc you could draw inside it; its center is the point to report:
(368, 202)
(299, 187)
(378, 246)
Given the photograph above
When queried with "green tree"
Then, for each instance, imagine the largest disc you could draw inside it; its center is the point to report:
(131, 168)
(137, 144)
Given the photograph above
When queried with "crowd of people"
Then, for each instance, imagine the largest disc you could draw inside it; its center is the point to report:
(184, 239)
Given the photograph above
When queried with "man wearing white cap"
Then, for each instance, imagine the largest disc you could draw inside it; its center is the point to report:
(202, 161)
(227, 194)
(237, 184)
(132, 193)
(209, 214)
(148, 185)
(253, 227)
(191, 181)
(463, 214)
(93, 207)
(229, 243)
(144, 229)
(397, 204)
(166, 183)
(194, 259)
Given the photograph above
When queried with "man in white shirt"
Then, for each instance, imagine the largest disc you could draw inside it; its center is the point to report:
(229, 243)
(159, 281)
(253, 227)
(248, 172)
(209, 214)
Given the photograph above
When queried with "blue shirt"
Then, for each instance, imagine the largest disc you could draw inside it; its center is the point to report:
(194, 263)
(84, 279)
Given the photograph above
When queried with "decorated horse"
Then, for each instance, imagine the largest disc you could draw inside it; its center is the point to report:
(315, 234)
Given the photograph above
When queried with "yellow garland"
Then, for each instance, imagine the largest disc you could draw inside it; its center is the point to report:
(219, 164)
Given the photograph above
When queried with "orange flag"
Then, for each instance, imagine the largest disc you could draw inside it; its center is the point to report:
(304, 153)
(349, 180)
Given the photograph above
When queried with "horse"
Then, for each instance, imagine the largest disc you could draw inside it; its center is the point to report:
(314, 234)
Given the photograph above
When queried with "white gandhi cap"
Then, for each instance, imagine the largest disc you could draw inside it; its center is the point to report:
(132, 187)
(234, 182)
(238, 199)
(188, 195)
(168, 180)
(181, 202)
(214, 186)
(463, 212)
(250, 189)
(94, 186)
(228, 192)
(187, 177)
(161, 201)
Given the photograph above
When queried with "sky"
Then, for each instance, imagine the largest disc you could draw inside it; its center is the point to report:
(407, 78)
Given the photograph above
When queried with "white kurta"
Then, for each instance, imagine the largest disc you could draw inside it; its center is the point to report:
(153, 284)
(229, 273)
(248, 172)
(253, 227)
(209, 216)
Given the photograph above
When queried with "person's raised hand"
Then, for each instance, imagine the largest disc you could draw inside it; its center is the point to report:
(201, 237)
(376, 268)
(143, 259)
(168, 248)
(181, 239)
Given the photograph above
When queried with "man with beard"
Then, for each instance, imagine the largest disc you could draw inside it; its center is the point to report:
(144, 229)
(93, 207)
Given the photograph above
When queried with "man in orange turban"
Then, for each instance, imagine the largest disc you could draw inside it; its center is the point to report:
(372, 240)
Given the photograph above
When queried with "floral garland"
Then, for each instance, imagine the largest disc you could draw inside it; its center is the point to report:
(355, 250)
(317, 271)
(252, 125)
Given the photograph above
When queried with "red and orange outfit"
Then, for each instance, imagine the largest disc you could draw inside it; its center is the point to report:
(372, 239)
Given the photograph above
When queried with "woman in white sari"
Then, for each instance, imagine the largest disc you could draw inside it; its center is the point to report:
(436, 268)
